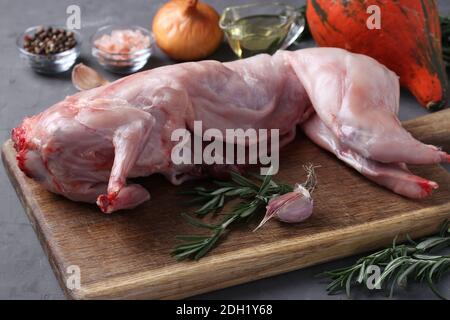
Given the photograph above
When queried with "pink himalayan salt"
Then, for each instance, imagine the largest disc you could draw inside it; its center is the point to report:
(122, 42)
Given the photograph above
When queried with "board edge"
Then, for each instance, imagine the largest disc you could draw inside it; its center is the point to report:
(36, 223)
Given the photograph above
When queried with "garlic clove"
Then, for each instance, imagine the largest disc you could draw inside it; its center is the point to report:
(85, 78)
(292, 207)
(297, 209)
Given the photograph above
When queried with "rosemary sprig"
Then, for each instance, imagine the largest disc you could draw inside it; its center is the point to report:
(254, 198)
(399, 264)
(214, 200)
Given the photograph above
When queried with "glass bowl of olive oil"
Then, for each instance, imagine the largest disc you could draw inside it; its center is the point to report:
(261, 28)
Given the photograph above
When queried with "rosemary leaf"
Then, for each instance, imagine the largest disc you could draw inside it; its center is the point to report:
(241, 180)
(432, 242)
(198, 223)
(208, 246)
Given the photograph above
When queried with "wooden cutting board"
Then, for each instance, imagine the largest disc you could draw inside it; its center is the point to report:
(126, 255)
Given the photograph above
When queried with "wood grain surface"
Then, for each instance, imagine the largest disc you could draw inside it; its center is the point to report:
(126, 254)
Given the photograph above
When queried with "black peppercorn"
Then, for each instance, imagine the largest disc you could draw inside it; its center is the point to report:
(49, 41)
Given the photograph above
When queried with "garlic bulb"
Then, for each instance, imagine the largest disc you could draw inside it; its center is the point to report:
(187, 29)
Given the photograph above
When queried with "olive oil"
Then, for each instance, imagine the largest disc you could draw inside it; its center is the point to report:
(258, 34)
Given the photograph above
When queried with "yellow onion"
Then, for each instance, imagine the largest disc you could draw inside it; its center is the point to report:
(187, 29)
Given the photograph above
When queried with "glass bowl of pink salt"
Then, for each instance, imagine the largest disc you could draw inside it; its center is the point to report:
(122, 49)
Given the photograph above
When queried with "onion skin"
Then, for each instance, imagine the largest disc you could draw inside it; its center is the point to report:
(187, 30)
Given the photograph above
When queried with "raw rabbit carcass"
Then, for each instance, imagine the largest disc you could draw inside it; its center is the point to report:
(86, 146)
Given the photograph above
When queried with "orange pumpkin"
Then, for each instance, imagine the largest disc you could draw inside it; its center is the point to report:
(408, 42)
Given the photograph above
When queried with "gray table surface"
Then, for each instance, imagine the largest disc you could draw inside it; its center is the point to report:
(24, 270)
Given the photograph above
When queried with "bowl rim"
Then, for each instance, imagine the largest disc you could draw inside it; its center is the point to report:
(111, 55)
(230, 8)
(52, 56)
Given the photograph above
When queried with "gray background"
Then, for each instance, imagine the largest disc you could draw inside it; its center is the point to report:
(24, 270)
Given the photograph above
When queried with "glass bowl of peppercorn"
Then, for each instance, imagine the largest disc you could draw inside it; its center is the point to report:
(49, 49)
